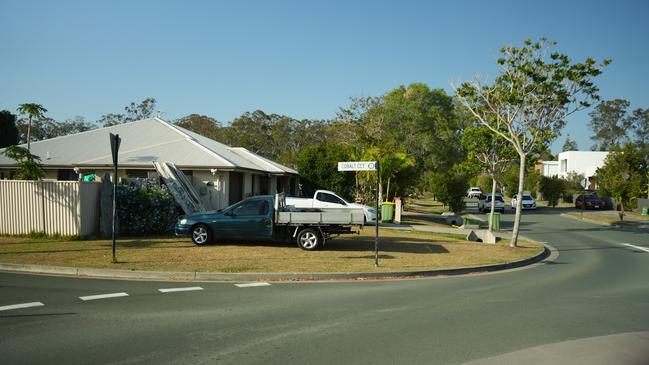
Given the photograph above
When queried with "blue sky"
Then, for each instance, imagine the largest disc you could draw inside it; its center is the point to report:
(299, 58)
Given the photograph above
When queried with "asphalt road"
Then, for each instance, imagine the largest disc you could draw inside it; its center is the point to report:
(552, 312)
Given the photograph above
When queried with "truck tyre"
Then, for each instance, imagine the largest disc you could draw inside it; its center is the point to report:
(309, 239)
(201, 234)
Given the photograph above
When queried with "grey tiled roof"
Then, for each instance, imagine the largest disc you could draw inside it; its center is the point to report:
(143, 142)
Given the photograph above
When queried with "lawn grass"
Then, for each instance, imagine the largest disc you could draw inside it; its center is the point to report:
(612, 217)
(427, 206)
(399, 250)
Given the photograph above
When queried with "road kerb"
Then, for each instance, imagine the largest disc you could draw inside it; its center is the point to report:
(241, 277)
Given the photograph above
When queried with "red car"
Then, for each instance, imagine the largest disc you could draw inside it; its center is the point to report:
(589, 202)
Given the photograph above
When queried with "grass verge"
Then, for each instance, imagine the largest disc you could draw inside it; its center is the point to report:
(399, 251)
(612, 218)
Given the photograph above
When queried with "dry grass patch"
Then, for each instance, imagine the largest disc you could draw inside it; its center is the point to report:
(399, 250)
(612, 217)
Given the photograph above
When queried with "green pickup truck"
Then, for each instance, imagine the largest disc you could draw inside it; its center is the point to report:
(267, 218)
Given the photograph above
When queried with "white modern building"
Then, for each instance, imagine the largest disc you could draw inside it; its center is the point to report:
(583, 163)
(549, 168)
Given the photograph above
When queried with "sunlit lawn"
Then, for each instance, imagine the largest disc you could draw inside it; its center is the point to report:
(399, 250)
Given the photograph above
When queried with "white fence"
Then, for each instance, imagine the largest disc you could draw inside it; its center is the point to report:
(64, 207)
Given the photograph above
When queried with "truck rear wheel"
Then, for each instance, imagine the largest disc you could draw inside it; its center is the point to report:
(309, 239)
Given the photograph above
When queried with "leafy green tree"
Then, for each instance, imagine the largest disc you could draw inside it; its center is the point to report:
(8, 129)
(28, 166)
(640, 125)
(133, 112)
(530, 99)
(552, 189)
(392, 164)
(492, 153)
(450, 188)
(203, 125)
(572, 185)
(32, 110)
(318, 168)
(624, 175)
(45, 128)
(609, 123)
(570, 145)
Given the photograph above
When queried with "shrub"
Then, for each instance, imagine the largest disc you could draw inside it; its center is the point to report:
(318, 167)
(450, 189)
(143, 208)
(552, 189)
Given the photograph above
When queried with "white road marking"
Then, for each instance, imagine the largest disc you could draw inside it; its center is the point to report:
(249, 285)
(645, 249)
(22, 305)
(104, 296)
(173, 290)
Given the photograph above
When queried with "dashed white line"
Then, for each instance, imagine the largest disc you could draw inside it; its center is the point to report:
(21, 305)
(103, 296)
(645, 249)
(250, 285)
(173, 290)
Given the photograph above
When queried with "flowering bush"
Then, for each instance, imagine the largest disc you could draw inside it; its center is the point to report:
(144, 208)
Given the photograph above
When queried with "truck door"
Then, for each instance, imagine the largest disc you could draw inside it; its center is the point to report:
(252, 220)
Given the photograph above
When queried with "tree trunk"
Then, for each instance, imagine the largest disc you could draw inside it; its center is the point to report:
(519, 201)
(621, 214)
(29, 131)
(387, 191)
(493, 201)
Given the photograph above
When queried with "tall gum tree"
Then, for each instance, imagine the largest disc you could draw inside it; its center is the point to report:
(530, 98)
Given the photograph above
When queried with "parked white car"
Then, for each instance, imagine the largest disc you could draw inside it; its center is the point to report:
(528, 202)
(329, 199)
(484, 203)
(473, 192)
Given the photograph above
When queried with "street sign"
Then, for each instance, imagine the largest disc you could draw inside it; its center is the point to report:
(115, 141)
(114, 149)
(357, 166)
(367, 166)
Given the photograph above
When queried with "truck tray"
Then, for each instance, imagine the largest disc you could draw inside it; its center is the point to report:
(324, 216)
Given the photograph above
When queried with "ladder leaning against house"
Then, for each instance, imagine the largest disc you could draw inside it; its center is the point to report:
(180, 187)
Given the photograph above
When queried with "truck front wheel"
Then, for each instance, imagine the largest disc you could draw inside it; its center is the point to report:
(309, 239)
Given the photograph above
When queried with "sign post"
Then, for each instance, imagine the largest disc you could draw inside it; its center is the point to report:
(114, 149)
(367, 166)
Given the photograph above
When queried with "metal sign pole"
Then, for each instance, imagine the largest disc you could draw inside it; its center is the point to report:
(376, 239)
(114, 147)
(367, 166)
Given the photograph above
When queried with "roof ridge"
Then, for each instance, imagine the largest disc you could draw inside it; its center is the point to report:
(193, 141)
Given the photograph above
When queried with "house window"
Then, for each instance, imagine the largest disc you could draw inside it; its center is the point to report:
(139, 174)
(564, 165)
(67, 175)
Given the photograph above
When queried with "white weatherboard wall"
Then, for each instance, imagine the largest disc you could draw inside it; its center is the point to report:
(212, 188)
(63, 207)
(581, 162)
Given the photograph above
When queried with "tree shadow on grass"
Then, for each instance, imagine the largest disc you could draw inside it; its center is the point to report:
(358, 244)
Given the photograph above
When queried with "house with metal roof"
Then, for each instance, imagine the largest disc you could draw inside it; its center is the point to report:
(220, 174)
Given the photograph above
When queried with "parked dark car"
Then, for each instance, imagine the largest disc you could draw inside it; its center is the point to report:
(590, 201)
